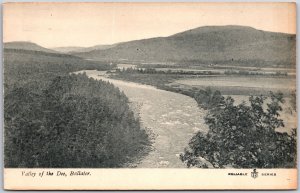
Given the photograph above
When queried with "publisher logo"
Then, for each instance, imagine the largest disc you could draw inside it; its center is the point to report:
(254, 174)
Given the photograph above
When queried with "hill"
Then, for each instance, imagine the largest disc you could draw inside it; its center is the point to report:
(82, 49)
(67, 49)
(23, 45)
(234, 45)
(21, 66)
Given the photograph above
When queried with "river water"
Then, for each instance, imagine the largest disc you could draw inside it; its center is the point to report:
(173, 119)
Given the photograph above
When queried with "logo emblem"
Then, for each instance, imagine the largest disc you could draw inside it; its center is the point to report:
(254, 174)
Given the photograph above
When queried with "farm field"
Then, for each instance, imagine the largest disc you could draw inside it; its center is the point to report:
(238, 85)
(125, 66)
(257, 82)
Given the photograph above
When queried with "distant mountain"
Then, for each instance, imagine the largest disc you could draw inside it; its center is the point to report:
(236, 45)
(82, 49)
(22, 45)
(67, 49)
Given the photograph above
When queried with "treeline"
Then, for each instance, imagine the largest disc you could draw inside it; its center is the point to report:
(241, 62)
(56, 119)
(198, 73)
(241, 136)
(249, 73)
(154, 71)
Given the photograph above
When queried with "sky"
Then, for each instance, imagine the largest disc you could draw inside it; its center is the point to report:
(89, 24)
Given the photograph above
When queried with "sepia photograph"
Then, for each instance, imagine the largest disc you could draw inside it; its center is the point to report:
(137, 90)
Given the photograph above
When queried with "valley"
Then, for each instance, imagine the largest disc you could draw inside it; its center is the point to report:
(172, 118)
(213, 96)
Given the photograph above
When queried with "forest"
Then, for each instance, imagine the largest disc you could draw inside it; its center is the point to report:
(54, 118)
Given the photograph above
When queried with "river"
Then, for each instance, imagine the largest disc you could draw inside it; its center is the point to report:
(173, 119)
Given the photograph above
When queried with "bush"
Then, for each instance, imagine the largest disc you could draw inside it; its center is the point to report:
(243, 136)
(208, 99)
(293, 100)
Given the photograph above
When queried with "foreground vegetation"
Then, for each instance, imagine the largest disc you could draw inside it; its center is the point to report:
(57, 119)
(242, 136)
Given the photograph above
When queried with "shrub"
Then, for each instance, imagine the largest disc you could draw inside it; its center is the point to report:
(293, 100)
(209, 99)
(243, 136)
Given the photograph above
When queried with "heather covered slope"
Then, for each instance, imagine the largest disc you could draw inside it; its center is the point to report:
(75, 50)
(235, 45)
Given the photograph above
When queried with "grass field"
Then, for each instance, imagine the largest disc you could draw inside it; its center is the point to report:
(239, 85)
(256, 82)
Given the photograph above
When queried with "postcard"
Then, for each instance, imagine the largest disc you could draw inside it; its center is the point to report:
(149, 96)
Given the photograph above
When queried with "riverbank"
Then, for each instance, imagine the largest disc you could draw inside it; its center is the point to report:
(173, 118)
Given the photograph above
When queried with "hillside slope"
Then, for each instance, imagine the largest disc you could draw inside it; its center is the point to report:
(67, 49)
(75, 50)
(23, 45)
(237, 45)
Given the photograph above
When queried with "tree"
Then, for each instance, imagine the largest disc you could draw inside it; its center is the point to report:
(243, 136)
(208, 99)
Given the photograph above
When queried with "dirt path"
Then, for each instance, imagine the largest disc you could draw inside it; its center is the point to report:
(172, 117)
